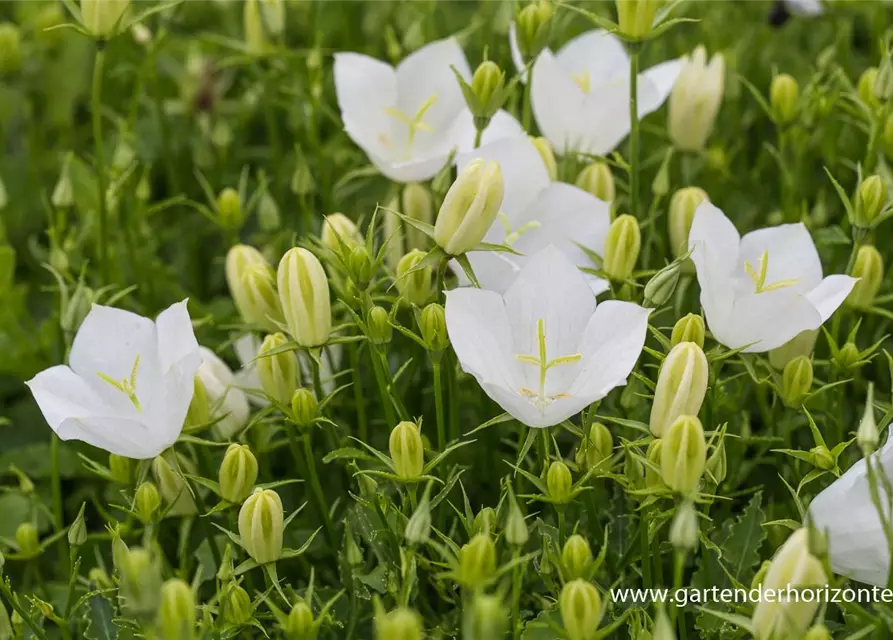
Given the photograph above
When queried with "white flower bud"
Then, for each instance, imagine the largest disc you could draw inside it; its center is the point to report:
(304, 294)
(470, 207)
(681, 386)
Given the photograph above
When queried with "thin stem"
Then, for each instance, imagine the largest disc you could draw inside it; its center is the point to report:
(477, 137)
(517, 580)
(316, 488)
(453, 399)
(438, 405)
(96, 108)
(359, 399)
(390, 414)
(14, 603)
(644, 549)
(678, 566)
(526, 108)
(56, 481)
(634, 130)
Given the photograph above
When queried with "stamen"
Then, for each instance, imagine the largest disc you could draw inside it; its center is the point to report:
(539, 398)
(414, 123)
(759, 277)
(583, 80)
(126, 386)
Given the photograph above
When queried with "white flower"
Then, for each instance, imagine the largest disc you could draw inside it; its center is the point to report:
(229, 404)
(543, 350)
(536, 212)
(695, 100)
(844, 511)
(580, 95)
(409, 119)
(763, 289)
(805, 7)
(128, 384)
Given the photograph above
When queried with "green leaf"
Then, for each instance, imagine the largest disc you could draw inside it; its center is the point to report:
(99, 616)
(741, 549)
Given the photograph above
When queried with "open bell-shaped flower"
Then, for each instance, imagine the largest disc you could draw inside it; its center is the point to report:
(128, 384)
(543, 350)
(760, 290)
(409, 119)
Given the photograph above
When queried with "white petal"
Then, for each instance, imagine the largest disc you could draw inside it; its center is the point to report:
(568, 218)
(427, 73)
(228, 402)
(805, 7)
(494, 271)
(598, 285)
(246, 348)
(830, 294)
(766, 320)
(417, 169)
(517, 58)
(597, 52)
(524, 176)
(462, 132)
(365, 87)
(655, 85)
(715, 241)
(792, 255)
(75, 411)
(176, 338)
(558, 104)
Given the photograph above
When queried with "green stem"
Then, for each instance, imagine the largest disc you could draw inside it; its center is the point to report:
(453, 399)
(634, 130)
(526, 108)
(644, 549)
(477, 137)
(14, 603)
(390, 414)
(391, 388)
(56, 481)
(438, 406)
(359, 400)
(316, 488)
(96, 108)
(517, 580)
(678, 566)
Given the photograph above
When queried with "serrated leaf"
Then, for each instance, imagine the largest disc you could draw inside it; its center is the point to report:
(99, 616)
(741, 548)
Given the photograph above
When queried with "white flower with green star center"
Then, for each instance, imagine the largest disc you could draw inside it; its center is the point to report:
(128, 384)
(536, 212)
(410, 118)
(761, 290)
(544, 350)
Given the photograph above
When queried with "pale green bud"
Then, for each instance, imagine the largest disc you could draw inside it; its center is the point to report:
(622, 245)
(470, 207)
(547, 154)
(865, 87)
(662, 284)
(102, 18)
(176, 613)
(887, 138)
(399, 624)
(261, 523)
(63, 192)
(784, 94)
(533, 24)
(792, 565)
(418, 527)
(581, 610)
(477, 561)
(800, 345)
(576, 557)
(653, 478)
(681, 386)
(486, 619)
(598, 180)
(485, 521)
(870, 199)
(200, 406)
(821, 458)
(869, 268)
(302, 182)
(27, 539)
(407, 451)
(689, 328)
(119, 550)
(559, 483)
(418, 204)
(515, 527)
(229, 208)
(226, 571)
(867, 436)
(256, 41)
(121, 469)
(238, 611)
(339, 233)
(304, 294)
(100, 579)
(77, 532)
(663, 627)
(140, 582)
(433, 328)
(147, 501)
(257, 302)
(848, 357)
(796, 381)
(717, 463)
(300, 624)
(10, 48)
(379, 326)
(487, 84)
(683, 205)
(172, 486)
(359, 266)
(416, 286)
(883, 81)
(596, 455)
(239, 259)
(279, 373)
(238, 473)
(683, 456)
(817, 632)
(273, 14)
(304, 407)
(684, 528)
(636, 17)
(267, 212)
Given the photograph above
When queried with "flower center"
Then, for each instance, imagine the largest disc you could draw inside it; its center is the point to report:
(583, 80)
(539, 398)
(511, 237)
(414, 123)
(126, 386)
(759, 276)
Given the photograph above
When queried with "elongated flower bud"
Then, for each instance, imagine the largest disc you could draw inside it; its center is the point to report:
(681, 213)
(869, 268)
(695, 99)
(681, 386)
(487, 84)
(547, 154)
(229, 208)
(796, 381)
(147, 502)
(378, 326)
(433, 327)
(261, 524)
(870, 199)
(883, 81)
(418, 527)
(258, 301)
(140, 582)
(416, 286)
(172, 485)
(339, 233)
(576, 557)
(534, 23)
(300, 624)
(257, 43)
(559, 482)
(486, 619)
(10, 47)
(800, 345)
(653, 477)
(477, 561)
(304, 294)
(238, 611)
(598, 180)
(622, 245)
(239, 259)
(689, 328)
(485, 521)
(121, 469)
(418, 204)
(636, 17)
(238, 472)
(662, 284)
(515, 527)
(683, 456)
(399, 624)
(596, 455)
(176, 613)
(794, 566)
(304, 407)
(102, 18)
(684, 528)
(279, 373)
(867, 436)
(718, 464)
(784, 94)
(470, 207)
(27, 539)
(865, 87)
(407, 451)
(581, 610)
